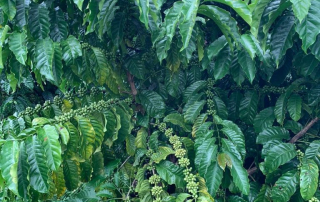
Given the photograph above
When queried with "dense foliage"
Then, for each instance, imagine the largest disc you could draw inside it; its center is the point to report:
(159, 100)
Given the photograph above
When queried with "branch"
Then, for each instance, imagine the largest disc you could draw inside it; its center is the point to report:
(131, 82)
(293, 140)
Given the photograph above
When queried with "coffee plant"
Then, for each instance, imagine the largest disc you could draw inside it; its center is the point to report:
(159, 100)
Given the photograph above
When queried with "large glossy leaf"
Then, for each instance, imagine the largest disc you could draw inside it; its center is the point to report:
(98, 130)
(71, 174)
(279, 155)
(21, 15)
(257, 8)
(247, 64)
(264, 194)
(313, 150)
(194, 111)
(272, 133)
(144, 11)
(58, 25)
(171, 173)
(206, 151)
(280, 108)
(189, 13)
(88, 137)
(38, 173)
(215, 47)
(73, 144)
(113, 125)
(161, 154)
(92, 15)
(79, 3)
(264, 119)
(100, 66)
(248, 107)
(8, 164)
(177, 119)
(300, 8)
(71, 49)
(44, 54)
(141, 139)
(9, 8)
(193, 89)
(17, 44)
(117, 26)
(309, 177)
(106, 15)
(309, 28)
(38, 21)
(3, 34)
(222, 63)
(49, 138)
(239, 174)
(233, 105)
(59, 182)
(294, 107)
(22, 171)
(153, 103)
(213, 178)
(281, 37)
(220, 107)
(285, 186)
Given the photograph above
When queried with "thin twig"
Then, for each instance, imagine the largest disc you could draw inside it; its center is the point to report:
(132, 86)
(124, 163)
(293, 140)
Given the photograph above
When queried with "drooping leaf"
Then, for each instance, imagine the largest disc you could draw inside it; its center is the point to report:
(171, 173)
(247, 64)
(272, 133)
(22, 171)
(264, 194)
(107, 12)
(17, 44)
(71, 49)
(222, 63)
(141, 139)
(58, 26)
(309, 177)
(161, 154)
(294, 107)
(313, 150)
(117, 26)
(285, 186)
(177, 119)
(98, 130)
(248, 107)
(79, 3)
(257, 7)
(194, 111)
(213, 178)
(220, 107)
(279, 155)
(193, 89)
(264, 119)
(71, 174)
(21, 15)
(88, 137)
(309, 27)
(38, 173)
(152, 103)
(144, 11)
(300, 8)
(9, 8)
(280, 108)
(38, 21)
(206, 151)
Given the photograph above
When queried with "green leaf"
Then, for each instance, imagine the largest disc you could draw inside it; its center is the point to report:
(264, 119)
(21, 15)
(222, 63)
(9, 8)
(285, 186)
(213, 178)
(152, 103)
(57, 64)
(98, 130)
(3, 34)
(264, 194)
(300, 8)
(50, 140)
(294, 106)
(44, 54)
(17, 44)
(279, 155)
(188, 19)
(161, 154)
(313, 150)
(100, 65)
(117, 26)
(257, 7)
(240, 7)
(58, 27)
(247, 64)
(309, 177)
(220, 107)
(71, 49)
(88, 137)
(215, 47)
(171, 173)
(248, 107)
(194, 111)
(182, 197)
(92, 16)
(125, 121)
(38, 21)
(144, 11)
(137, 67)
(71, 174)
(177, 119)
(38, 169)
(250, 44)
(314, 95)
(130, 145)
(113, 125)
(8, 164)
(280, 108)
(193, 89)
(272, 133)
(309, 27)
(239, 174)
(107, 13)
(228, 145)
(206, 152)
(13, 81)
(79, 3)
(141, 139)
(282, 36)
(22, 171)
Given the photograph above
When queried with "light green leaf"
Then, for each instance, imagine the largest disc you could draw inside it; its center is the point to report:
(239, 174)
(153, 103)
(294, 106)
(49, 138)
(88, 137)
(177, 119)
(213, 178)
(248, 107)
(3, 34)
(71, 49)
(282, 35)
(161, 154)
(215, 47)
(38, 169)
(300, 8)
(247, 64)
(79, 3)
(106, 15)
(100, 66)
(98, 130)
(248, 42)
(279, 155)
(309, 27)
(17, 44)
(272, 133)
(130, 145)
(141, 139)
(285, 186)
(171, 173)
(257, 7)
(9, 8)
(13, 81)
(280, 108)
(313, 150)
(144, 11)
(8, 164)
(188, 19)
(206, 151)
(264, 194)
(194, 111)
(22, 171)
(309, 177)
(264, 119)
(38, 21)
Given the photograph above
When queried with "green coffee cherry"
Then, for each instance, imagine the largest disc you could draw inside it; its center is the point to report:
(184, 162)
(57, 100)
(180, 153)
(154, 179)
(162, 127)
(168, 132)
(313, 199)
(156, 190)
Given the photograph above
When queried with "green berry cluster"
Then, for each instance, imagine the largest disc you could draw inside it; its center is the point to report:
(94, 91)
(313, 199)
(184, 162)
(220, 193)
(47, 105)
(69, 96)
(168, 132)
(85, 46)
(156, 190)
(37, 108)
(162, 127)
(180, 153)
(209, 94)
(29, 111)
(154, 179)
(149, 153)
(192, 185)
(82, 91)
(210, 83)
(57, 100)
(300, 154)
